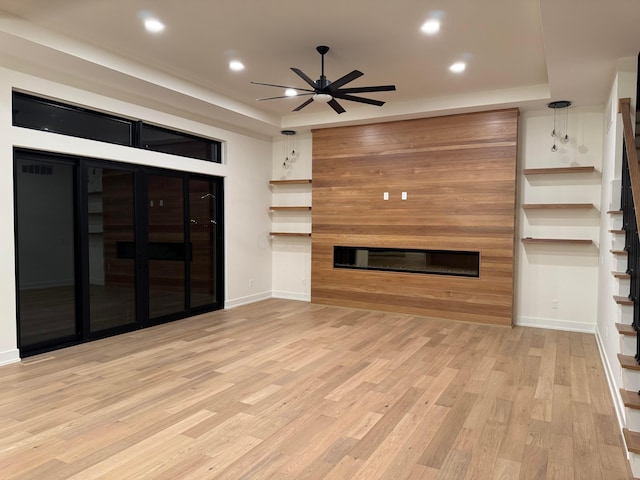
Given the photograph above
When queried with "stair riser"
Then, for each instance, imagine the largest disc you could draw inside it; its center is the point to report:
(634, 461)
(628, 346)
(626, 315)
(620, 263)
(633, 419)
(617, 242)
(631, 379)
(624, 285)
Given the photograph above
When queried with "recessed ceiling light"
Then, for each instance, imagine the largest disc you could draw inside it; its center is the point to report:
(290, 92)
(431, 26)
(236, 65)
(153, 25)
(458, 67)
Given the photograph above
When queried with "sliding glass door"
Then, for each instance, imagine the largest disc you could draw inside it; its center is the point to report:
(104, 248)
(167, 247)
(205, 271)
(46, 246)
(111, 230)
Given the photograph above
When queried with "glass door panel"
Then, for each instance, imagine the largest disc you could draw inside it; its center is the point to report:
(45, 213)
(167, 251)
(112, 251)
(203, 233)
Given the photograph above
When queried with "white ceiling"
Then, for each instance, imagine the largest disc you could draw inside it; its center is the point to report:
(521, 53)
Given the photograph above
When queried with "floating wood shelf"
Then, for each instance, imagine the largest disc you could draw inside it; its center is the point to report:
(289, 209)
(289, 234)
(556, 206)
(573, 241)
(302, 181)
(544, 171)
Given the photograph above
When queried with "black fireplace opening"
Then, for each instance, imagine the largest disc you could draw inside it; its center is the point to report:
(409, 260)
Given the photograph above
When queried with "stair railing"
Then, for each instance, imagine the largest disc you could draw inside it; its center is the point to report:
(630, 204)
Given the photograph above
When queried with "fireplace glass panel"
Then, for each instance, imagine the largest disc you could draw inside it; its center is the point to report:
(439, 262)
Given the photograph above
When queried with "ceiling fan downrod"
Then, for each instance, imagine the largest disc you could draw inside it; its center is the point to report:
(323, 82)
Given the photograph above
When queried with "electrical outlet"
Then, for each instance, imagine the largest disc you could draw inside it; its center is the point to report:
(251, 283)
(554, 303)
(385, 196)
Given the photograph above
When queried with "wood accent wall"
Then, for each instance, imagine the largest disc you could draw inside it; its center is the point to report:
(459, 173)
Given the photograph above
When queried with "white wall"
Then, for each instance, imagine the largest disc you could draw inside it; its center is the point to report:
(246, 172)
(292, 255)
(562, 275)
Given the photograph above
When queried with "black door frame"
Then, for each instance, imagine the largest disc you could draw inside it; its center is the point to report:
(81, 254)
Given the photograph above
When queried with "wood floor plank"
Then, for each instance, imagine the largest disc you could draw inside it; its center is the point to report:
(290, 390)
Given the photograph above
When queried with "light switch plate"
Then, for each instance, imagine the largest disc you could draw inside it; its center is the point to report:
(385, 196)
(404, 195)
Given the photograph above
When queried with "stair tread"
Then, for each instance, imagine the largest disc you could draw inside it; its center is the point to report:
(625, 329)
(632, 439)
(620, 300)
(627, 361)
(630, 399)
(623, 275)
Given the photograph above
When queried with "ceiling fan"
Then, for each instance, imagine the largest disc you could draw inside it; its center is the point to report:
(324, 91)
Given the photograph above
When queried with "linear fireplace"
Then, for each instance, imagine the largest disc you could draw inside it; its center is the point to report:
(438, 262)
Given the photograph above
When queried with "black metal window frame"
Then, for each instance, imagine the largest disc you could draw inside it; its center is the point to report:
(212, 148)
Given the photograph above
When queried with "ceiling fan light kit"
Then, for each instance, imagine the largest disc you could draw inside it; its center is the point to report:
(324, 91)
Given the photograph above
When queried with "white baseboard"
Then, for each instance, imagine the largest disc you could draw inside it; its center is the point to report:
(555, 324)
(613, 389)
(303, 297)
(237, 302)
(9, 356)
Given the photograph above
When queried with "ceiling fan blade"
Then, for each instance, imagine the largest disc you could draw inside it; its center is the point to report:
(353, 98)
(303, 105)
(349, 77)
(379, 88)
(282, 86)
(336, 106)
(285, 96)
(303, 76)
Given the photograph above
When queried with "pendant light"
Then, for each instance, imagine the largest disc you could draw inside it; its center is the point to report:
(563, 104)
(290, 154)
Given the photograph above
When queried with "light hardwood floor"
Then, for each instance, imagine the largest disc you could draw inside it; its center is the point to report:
(289, 390)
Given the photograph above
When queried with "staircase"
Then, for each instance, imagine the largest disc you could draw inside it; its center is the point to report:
(626, 249)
